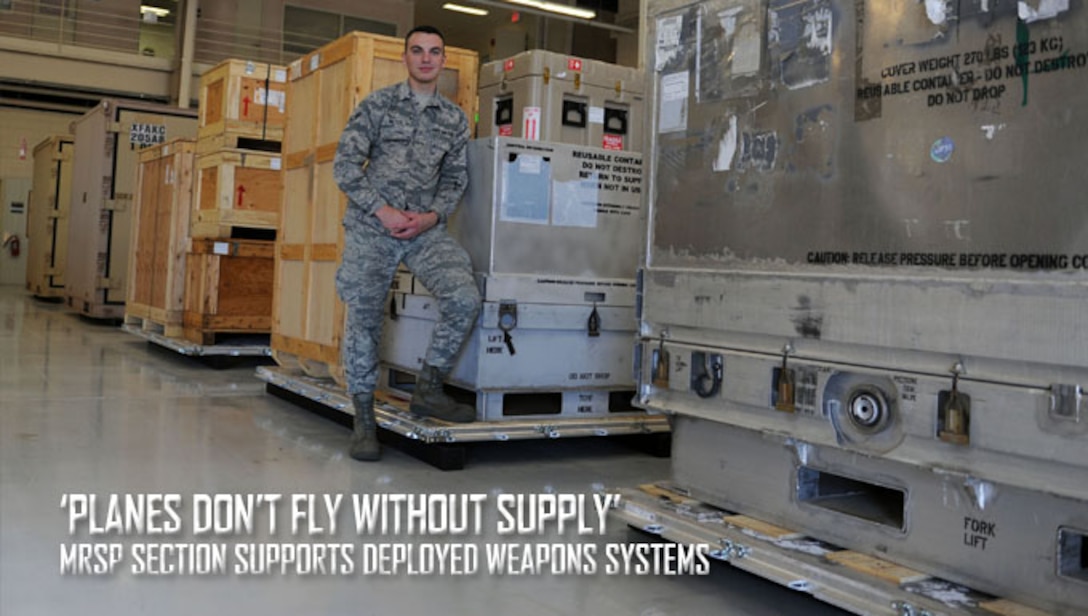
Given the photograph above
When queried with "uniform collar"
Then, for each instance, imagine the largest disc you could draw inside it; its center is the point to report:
(405, 93)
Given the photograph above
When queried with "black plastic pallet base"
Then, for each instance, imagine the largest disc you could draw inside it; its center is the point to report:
(215, 362)
(658, 445)
(48, 300)
(100, 322)
(443, 456)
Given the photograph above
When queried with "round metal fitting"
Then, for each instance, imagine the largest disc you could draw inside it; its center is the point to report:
(867, 408)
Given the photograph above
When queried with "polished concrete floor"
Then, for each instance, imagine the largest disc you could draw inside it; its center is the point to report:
(86, 408)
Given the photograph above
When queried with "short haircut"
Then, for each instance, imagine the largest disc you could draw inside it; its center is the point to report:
(424, 30)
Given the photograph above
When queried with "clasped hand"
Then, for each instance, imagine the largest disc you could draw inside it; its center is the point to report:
(405, 225)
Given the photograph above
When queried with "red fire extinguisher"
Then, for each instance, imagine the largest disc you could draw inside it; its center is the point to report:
(12, 244)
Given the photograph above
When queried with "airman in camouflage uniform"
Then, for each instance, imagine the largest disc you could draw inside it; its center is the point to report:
(402, 163)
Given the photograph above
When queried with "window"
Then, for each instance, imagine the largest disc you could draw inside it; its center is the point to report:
(50, 7)
(158, 18)
(305, 29)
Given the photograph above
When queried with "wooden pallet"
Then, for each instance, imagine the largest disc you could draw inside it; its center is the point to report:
(311, 367)
(242, 139)
(854, 581)
(228, 289)
(441, 443)
(153, 320)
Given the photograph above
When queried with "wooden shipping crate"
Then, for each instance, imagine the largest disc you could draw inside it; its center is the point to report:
(322, 90)
(241, 101)
(161, 212)
(228, 288)
(109, 139)
(237, 188)
(47, 217)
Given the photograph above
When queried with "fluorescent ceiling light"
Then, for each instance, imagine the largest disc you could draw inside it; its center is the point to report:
(552, 7)
(464, 9)
(154, 10)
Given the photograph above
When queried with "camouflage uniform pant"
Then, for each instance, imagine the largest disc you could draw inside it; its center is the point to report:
(363, 279)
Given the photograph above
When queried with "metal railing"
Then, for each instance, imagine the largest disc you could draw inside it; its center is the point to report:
(70, 26)
(65, 24)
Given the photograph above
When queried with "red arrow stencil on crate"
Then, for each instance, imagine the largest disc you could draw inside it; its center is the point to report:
(241, 194)
(245, 106)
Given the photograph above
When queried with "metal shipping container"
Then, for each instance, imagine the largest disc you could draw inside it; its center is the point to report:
(47, 217)
(866, 277)
(109, 138)
(546, 96)
(552, 230)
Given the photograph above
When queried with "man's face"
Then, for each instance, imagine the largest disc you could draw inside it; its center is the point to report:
(424, 57)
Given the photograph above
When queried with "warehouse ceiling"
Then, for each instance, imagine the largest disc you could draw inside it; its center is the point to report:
(459, 29)
(463, 30)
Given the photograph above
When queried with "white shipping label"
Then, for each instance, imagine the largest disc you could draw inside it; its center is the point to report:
(668, 39)
(1045, 9)
(530, 123)
(275, 164)
(145, 135)
(574, 203)
(668, 31)
(529, 163)
(746, 50)
(673, 114)
(674, 87)
(272, 98)
(315, 61)
(727, 147)
(221, 248)
(596, 115)
(279, 75)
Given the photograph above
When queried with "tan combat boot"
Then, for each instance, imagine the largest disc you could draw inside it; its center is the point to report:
(364, 438)
(430, 401)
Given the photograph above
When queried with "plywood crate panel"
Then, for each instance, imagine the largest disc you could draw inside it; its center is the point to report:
(323, 88)
(228, 288)
(109, 139)
(237, 188)
(47, 217)
(242, 99)
(161, 212)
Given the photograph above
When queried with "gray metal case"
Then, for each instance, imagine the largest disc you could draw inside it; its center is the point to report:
(867, 245)
(552, 230)
(580, 102)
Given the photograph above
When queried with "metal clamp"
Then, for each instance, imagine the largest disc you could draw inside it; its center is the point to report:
(785, 387)
(548, 431)
(903, 608)
(593, 324)
(1067, 402)
(707, 382)
(730, 550)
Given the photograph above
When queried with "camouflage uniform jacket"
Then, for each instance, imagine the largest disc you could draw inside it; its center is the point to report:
(391, 152)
